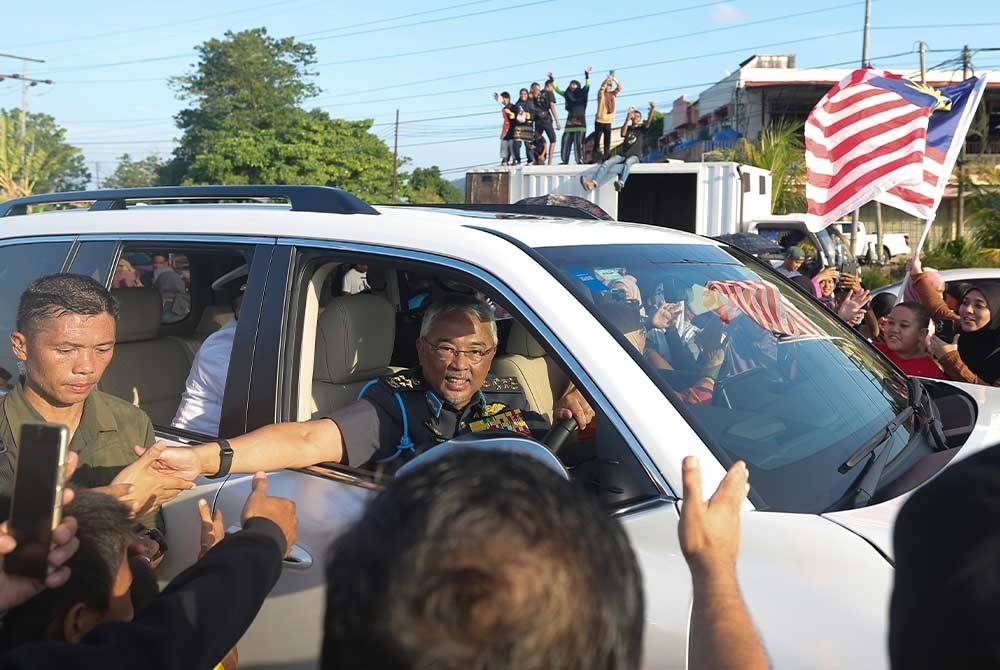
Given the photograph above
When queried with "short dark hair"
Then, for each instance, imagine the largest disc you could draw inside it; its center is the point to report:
(505, 94)
(63, 293)
(946, 595)
(534, 84)
(920, 313)
(486, 560)
(104, 531)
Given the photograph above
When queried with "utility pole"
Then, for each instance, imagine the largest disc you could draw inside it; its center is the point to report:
(395, 157)
(867, 32)
(923, 62)
(960, 217)
(26, 83)
(864, 63)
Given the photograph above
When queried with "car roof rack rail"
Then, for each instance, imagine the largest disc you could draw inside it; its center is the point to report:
(323, 199)
(560, 211)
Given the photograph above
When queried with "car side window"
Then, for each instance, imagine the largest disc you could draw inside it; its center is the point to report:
(20, 264)
(346, 342)
(93, 259)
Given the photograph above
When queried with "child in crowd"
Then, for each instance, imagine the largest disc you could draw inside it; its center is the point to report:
(905, 335)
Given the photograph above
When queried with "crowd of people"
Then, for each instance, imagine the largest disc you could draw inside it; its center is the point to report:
(455, 540)
(530, 121)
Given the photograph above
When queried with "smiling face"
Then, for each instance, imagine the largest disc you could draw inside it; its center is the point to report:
(826, 286)
(975, 311)
(903, 334)
(66, 356)
(456, 377)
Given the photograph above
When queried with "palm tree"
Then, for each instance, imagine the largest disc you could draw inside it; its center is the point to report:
(780, 149)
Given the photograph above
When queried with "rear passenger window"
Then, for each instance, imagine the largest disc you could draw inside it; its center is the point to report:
(20, 264)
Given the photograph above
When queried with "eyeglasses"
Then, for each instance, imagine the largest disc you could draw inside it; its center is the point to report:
(447, 353)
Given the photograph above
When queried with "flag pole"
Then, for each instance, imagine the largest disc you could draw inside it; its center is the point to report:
(916, 254)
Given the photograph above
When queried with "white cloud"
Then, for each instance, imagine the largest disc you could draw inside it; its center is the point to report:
(727, 13)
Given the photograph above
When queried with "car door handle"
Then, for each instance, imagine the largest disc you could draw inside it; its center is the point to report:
(298, 558)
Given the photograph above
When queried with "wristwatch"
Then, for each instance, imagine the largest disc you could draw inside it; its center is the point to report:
(225, 459)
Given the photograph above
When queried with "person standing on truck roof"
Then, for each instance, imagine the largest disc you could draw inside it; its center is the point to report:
(507, 144)
(606, 99)
(576, 115)
(545, 113)
(628, 152)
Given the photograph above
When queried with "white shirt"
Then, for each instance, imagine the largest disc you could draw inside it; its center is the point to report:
(201, 404)
(355, 282)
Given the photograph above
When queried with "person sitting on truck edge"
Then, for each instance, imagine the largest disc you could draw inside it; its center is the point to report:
(628, 153)
(794, 258)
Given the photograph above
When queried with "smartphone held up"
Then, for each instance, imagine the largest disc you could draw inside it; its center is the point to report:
(36, 505)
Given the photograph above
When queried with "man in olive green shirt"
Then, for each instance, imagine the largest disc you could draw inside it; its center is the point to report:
(65, 339)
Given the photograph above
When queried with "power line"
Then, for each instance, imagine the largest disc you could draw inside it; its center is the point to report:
(679, 59)
(508, 40)
(394, 18)
(607, 49)
(156, 26)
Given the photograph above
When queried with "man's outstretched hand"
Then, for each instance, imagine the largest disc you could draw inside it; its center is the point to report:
(710, 530)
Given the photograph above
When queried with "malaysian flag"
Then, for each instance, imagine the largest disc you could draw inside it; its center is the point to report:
(945, 135)
(763, 303)
(867, 135)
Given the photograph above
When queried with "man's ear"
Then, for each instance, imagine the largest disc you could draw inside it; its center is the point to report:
(19, 344)
(79, 621)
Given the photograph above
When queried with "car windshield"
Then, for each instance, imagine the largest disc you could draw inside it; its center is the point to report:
(761, 371)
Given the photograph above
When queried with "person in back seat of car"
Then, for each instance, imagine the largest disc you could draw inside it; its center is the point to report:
(64, 341)
(201, 403)
(398, 416)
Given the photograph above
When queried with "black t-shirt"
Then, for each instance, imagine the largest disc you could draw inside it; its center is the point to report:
(631, 146)
(543, 109)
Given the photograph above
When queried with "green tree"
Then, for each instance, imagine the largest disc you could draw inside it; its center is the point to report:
(246, 124)
(135, 173)
(426, 186)
(41, 160)
(780, 149)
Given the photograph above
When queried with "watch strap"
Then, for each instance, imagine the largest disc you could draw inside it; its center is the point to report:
(225, 459)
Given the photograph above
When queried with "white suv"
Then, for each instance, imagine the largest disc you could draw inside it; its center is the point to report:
(751, 368)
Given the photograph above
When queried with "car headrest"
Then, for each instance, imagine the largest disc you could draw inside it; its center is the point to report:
(355, 336)
(139, 311)
(520, 342)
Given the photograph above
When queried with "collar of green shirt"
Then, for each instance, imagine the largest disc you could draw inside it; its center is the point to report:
(97, 416)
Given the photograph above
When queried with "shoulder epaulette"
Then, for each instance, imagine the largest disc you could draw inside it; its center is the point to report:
(408, 380)
(502, 385)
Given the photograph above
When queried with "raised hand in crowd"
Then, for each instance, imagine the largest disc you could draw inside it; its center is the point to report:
(722, 633)
(213, 529)
(279, 510)
(852, 309)
(16, 590)
(664, 315)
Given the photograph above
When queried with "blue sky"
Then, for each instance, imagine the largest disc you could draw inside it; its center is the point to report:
(439, 62)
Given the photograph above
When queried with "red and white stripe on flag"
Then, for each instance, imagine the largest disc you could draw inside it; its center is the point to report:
(865, 136)
(764, 303)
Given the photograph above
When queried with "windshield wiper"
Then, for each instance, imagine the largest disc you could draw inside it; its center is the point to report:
(918, 400)
(879, 437)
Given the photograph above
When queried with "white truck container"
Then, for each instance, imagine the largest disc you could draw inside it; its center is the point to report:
(710, 199)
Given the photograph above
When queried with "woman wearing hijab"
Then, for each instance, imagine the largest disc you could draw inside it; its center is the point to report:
(975, 358)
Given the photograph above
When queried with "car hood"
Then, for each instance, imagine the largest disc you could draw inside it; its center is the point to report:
(875, 523)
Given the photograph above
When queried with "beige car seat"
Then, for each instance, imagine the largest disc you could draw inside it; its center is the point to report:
(355, 335)
(147, 370)
(543, 380)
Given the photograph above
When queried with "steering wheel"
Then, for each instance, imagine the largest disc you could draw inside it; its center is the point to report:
(559, 435)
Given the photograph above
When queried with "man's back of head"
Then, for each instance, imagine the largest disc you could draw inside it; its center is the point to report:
(946, 597)
(98, 586)
(483, 560)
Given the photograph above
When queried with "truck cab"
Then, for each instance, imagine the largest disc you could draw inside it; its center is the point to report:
(824, 246)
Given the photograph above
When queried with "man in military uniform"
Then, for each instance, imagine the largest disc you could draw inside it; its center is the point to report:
(399, 416)
(64, 340)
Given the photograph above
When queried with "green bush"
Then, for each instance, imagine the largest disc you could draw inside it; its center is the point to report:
(877, 277)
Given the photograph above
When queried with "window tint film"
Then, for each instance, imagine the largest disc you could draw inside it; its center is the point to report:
(20, 264)
(93, 259)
